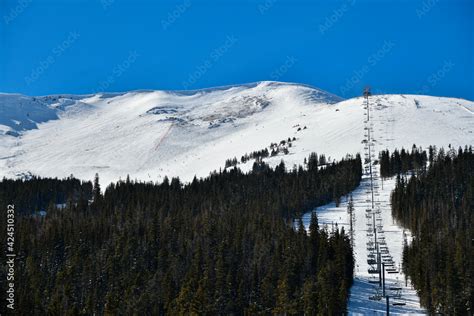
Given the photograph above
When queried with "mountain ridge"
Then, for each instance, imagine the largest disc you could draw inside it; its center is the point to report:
(151, 134)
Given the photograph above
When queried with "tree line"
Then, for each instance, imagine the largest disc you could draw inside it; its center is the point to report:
(35, 194)
(275, 149)
(438, 207)
(399, 162)
(222, 245)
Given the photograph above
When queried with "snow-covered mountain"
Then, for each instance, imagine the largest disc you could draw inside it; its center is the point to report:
(150, 134)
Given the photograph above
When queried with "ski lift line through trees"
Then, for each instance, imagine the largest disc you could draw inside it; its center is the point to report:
(373, 258)
(379, 258)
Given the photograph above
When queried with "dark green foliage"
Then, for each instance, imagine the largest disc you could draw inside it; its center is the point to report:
(275, 149)
(438, 207)
(402, 161)
(221, 245)
(96, 189)
(36, 194)
(231, 162)
(257, 155)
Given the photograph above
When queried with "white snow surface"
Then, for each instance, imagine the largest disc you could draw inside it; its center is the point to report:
(150, 134)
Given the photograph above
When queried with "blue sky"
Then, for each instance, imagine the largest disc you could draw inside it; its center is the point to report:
(405, 46)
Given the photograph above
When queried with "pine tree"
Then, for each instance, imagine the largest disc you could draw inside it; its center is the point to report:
(96, 189)
(283, 301)
(310, 297)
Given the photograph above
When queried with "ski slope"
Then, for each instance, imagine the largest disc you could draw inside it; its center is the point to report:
(372, 206)
(359, 302)
(152, 134)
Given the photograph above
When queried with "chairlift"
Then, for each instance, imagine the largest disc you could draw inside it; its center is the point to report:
(375, 297)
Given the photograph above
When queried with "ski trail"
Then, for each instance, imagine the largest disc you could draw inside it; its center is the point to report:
(366, 296)
(163, 136)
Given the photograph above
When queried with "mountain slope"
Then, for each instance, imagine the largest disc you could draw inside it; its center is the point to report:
(150, 134)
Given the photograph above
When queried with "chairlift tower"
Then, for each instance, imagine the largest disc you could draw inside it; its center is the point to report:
(367, 94)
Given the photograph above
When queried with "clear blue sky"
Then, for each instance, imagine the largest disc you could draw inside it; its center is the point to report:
(405, 46)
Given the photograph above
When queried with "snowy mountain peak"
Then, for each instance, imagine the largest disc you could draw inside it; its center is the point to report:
(19, 113)
(150, 134)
